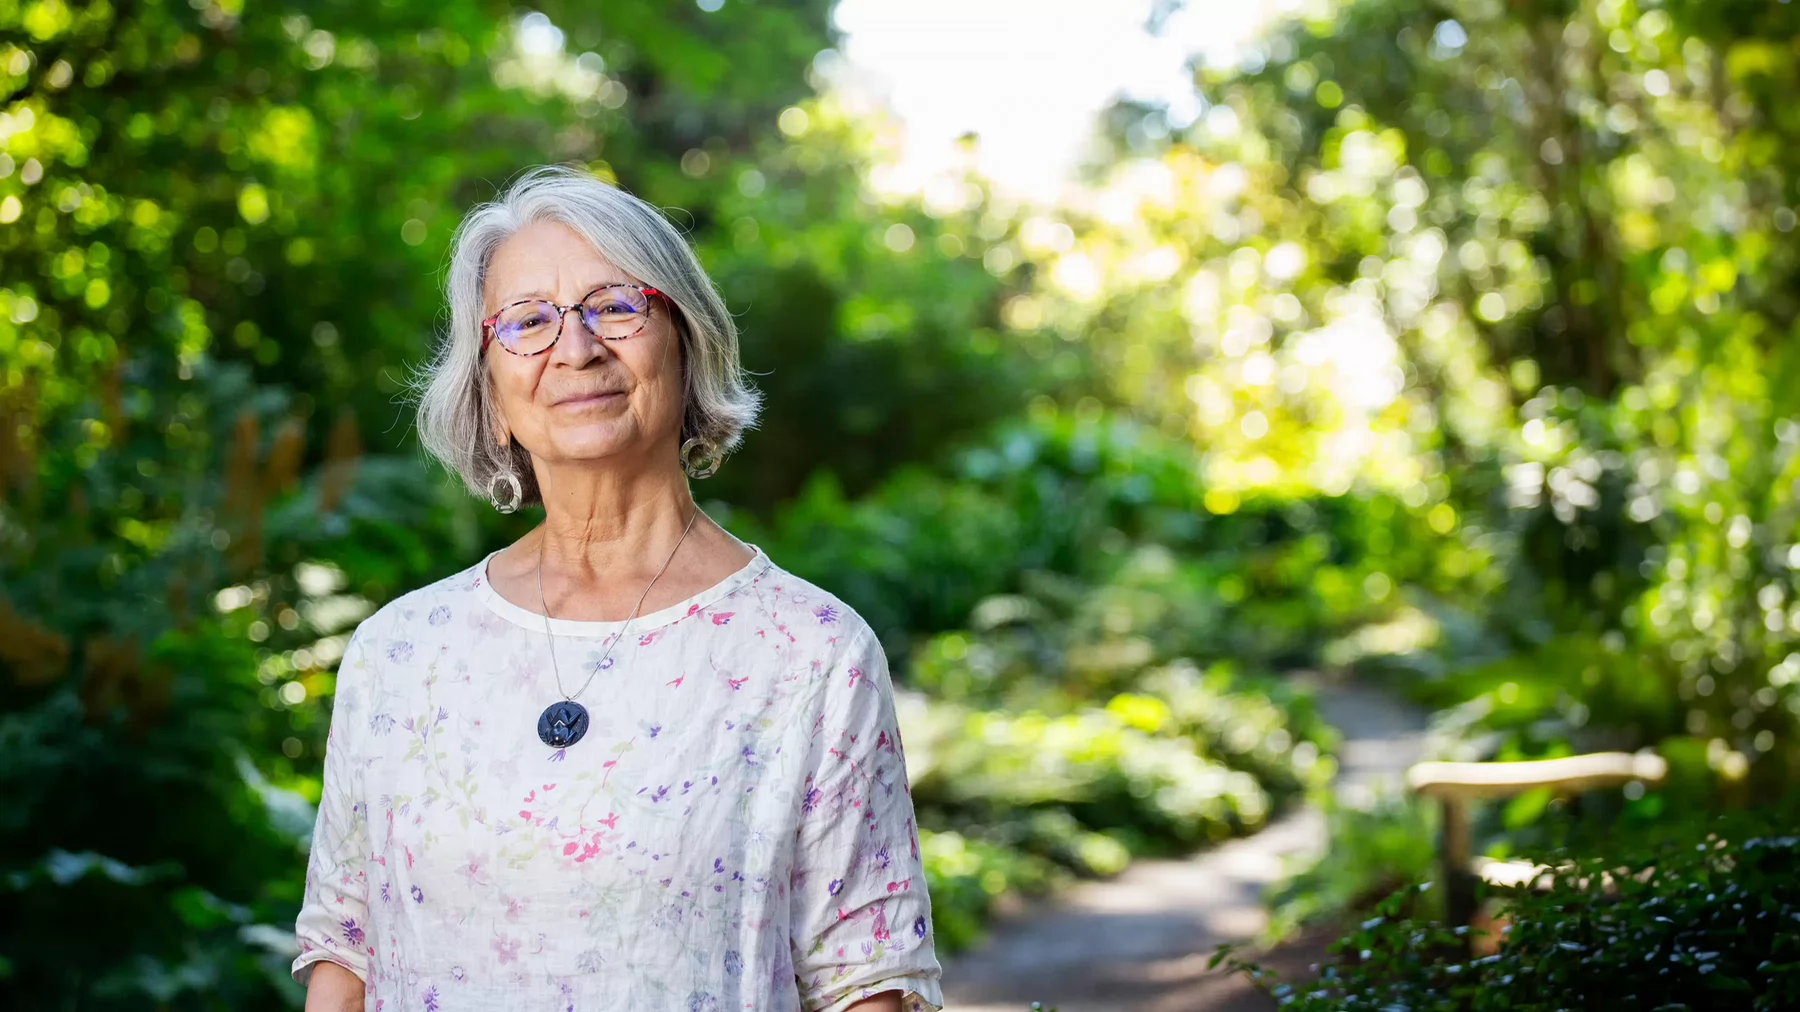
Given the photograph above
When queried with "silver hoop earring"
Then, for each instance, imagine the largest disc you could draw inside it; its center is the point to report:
(510, 482)
(699, 460)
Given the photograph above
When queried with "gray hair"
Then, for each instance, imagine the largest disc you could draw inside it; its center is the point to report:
(457, 415)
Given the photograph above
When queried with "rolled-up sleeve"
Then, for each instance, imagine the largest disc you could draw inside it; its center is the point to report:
(334, 915)
(861, 918)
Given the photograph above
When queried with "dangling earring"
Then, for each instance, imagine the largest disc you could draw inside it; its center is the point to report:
(510, 483)
(699, 460)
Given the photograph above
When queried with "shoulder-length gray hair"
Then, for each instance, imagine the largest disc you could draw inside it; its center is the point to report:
(457, 414)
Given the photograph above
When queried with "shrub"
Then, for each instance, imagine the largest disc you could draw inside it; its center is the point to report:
(1371, 853)
(1021, 802)
(966, 877)
(1712, 921)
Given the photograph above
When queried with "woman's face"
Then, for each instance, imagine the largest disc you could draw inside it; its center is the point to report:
(584, 399)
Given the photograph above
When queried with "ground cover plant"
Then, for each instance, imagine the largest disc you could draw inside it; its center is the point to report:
(1708, 921)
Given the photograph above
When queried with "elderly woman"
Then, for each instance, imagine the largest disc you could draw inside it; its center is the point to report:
(627, 762)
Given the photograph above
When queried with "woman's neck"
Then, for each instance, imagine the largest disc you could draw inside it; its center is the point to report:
(604, 538)
(609, 519)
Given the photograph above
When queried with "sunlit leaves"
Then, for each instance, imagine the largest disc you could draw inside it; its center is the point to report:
(285, 139)
(1563, 229)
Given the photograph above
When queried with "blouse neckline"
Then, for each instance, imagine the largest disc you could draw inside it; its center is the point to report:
(644, 623)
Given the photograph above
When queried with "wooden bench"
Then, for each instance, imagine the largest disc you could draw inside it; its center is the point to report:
(1457, 785)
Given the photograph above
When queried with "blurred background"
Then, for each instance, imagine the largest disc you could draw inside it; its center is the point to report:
(1146, 372)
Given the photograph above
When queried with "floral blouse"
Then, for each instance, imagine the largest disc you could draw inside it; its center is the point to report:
(734, 832)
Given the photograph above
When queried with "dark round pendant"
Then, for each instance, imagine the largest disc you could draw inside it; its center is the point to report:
(563, 723)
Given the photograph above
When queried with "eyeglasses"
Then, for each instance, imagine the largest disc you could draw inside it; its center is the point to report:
(531, 326)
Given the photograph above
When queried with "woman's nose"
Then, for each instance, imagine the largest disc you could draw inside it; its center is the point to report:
(578, 344)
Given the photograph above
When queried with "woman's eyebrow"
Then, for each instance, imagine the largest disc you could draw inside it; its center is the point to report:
(540, 293)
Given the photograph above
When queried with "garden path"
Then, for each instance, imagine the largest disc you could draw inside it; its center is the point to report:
(1140, 942)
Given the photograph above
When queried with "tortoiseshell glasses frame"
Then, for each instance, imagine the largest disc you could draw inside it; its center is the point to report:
(516, 325)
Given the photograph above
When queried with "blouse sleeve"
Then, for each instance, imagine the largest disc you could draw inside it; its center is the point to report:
(334, 914)
(861, 918)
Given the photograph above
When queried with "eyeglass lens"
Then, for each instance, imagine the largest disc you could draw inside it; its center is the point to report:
(608, 313)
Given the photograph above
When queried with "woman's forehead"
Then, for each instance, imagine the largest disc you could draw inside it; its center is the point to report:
(546, 260)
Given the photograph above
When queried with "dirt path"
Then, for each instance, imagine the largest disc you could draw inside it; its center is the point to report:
(1140, 942)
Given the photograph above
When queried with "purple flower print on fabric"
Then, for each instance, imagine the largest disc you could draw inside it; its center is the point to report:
(850, 886)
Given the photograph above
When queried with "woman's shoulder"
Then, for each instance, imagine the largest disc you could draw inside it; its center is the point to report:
(434, 604)
(801, 606)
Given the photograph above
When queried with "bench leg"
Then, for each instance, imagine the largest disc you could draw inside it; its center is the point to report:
(1454, 853)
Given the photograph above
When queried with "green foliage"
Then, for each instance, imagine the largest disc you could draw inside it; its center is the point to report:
(1372, 853)
(1706, 921)
(1525, 266)
(1084, 526)
(967, 877)
(1096, 764)
(1022, 802)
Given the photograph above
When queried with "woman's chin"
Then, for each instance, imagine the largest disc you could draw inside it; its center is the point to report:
(593, 444)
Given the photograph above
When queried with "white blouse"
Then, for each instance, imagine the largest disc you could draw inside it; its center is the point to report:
(734, 832)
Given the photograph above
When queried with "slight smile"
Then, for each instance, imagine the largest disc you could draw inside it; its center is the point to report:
(590, 400)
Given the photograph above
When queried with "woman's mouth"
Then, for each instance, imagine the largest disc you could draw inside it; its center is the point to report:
(589, 400)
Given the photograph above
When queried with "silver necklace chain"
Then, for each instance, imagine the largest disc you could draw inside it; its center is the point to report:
(621, 635)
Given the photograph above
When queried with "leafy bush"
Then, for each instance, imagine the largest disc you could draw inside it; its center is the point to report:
(1710, 921)
(1370, 853)
(967, 877)
(1164, 790)
(1088, 518)
(1021, 802)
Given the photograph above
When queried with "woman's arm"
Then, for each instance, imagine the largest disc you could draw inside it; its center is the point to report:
(886, 1001)
(861, 919)
(335, 989)
(333, 928)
